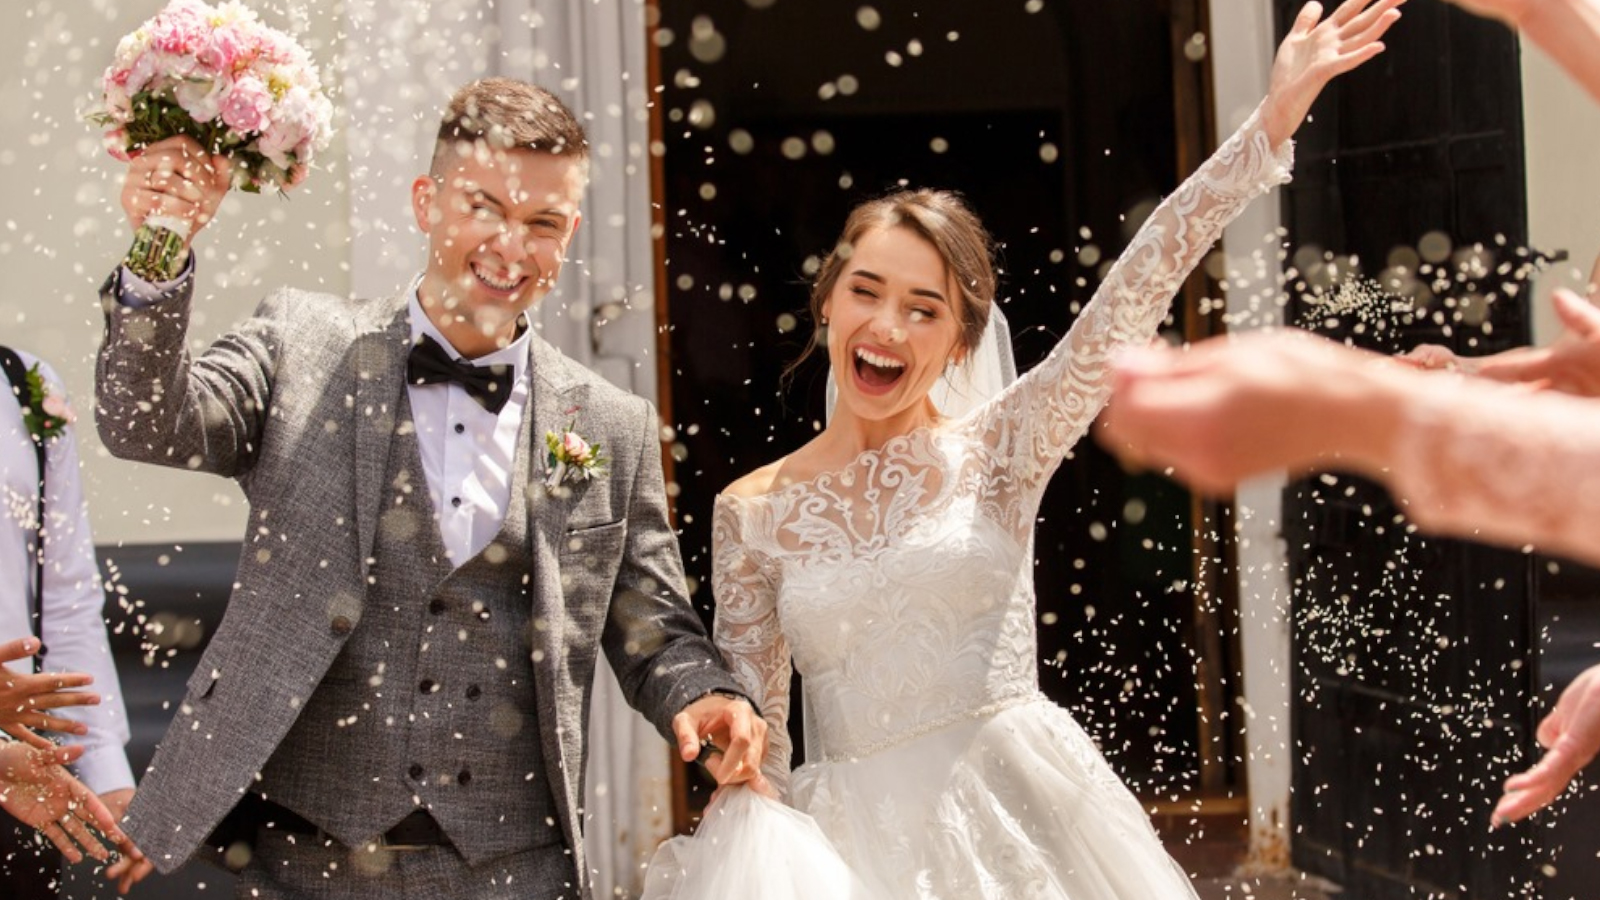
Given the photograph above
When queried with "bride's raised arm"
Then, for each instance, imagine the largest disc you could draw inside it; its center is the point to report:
(1056, 402)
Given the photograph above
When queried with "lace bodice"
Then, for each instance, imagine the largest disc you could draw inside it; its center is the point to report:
(901, 587)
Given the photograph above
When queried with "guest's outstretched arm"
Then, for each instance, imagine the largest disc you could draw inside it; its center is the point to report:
(1467, 457)
(1568, 30)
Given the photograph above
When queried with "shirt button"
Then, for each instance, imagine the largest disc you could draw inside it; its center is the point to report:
(427, 686)
(341, 625)
(415, 772)
(474, 692)
(455, 501)
(460, 428)
(437, 606)
(465, 778)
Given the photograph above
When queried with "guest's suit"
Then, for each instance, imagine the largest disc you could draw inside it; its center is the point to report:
(305, 405)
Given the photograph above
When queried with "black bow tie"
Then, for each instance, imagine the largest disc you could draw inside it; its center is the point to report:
(430, 363)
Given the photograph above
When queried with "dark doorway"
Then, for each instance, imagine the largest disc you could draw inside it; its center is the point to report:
(1415, 659)
(1057, 123)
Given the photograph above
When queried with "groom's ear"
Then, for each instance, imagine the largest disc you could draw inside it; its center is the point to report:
(422, 195)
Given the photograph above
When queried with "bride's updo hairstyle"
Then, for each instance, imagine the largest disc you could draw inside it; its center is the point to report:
(942, 219)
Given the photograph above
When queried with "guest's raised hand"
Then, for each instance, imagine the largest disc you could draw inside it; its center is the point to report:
(725, 735)
(1570, 735)
(39, 792)
(1225, 410)
(1571, 365)
(1510, 12)
(175, 179)
(24, 699)
(1316, 51)
(131, 866)
(1430, 357)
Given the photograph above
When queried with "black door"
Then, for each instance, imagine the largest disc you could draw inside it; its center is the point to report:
(1414, 657)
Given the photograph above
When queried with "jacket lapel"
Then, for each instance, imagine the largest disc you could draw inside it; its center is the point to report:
(549, 398)
(380, 357)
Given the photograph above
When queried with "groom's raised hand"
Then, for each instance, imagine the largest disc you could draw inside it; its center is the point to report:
(726, 736)
(175, 179)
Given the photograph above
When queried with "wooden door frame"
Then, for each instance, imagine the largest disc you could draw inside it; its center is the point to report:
(682, 815)
(1216, 590)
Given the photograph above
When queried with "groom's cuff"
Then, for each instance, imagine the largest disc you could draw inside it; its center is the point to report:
(135, 292)
(731, 695)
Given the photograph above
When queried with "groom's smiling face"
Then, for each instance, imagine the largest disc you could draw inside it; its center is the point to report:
(499, 223)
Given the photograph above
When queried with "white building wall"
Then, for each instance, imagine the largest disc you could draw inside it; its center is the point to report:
(1242, 47)
(1562, 134)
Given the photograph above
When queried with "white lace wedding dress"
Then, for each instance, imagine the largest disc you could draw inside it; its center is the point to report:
(902, 589)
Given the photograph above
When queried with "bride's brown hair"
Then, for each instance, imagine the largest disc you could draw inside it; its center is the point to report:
(943, 219)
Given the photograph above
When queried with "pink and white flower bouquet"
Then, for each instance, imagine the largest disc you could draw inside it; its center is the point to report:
(219, 75)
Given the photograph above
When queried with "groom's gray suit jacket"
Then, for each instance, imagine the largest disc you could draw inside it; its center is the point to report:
(301, 405)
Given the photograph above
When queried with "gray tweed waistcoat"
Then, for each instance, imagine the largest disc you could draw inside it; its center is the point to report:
(431, 701)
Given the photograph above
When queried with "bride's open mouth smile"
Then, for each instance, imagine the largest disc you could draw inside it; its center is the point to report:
(876, 372)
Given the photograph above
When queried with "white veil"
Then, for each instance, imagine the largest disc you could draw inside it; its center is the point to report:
(987, 372)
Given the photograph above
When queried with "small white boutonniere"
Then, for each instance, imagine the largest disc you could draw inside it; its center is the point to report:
(571, 458)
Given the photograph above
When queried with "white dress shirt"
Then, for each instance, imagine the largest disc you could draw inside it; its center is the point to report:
(74, 631)
(468, 452)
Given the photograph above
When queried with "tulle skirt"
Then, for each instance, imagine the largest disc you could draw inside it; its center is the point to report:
(1015, 805)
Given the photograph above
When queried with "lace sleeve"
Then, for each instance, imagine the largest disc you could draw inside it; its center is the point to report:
(749, 635)
(1039, 418)
(1504, 466)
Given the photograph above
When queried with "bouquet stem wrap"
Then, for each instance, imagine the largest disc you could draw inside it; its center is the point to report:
(159, 249)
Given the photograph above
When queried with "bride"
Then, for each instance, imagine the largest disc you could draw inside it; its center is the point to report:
(889, 560)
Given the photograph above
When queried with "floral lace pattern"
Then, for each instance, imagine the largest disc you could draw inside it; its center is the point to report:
(901, 586)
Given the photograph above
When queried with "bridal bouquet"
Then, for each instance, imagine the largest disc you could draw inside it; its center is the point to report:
(219, 75)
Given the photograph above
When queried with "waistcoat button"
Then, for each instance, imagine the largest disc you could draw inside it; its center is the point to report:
(341, 624)
(415, 772)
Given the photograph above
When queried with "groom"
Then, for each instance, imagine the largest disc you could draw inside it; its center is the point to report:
(396, 701)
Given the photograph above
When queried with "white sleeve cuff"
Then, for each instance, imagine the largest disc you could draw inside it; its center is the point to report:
(104, 768)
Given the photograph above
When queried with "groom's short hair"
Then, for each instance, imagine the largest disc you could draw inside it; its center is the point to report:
(507, 114)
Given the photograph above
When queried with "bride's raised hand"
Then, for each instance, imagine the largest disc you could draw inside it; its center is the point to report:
(1316, 51)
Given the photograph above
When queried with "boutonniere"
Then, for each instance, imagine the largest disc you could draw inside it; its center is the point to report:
(571, 458)
(46, 414)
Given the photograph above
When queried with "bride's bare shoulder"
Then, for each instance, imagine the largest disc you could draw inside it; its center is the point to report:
(764, 480)
(801, 466)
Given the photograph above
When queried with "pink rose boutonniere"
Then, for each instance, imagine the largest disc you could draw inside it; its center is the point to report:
(46, 414)
(571, 458)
